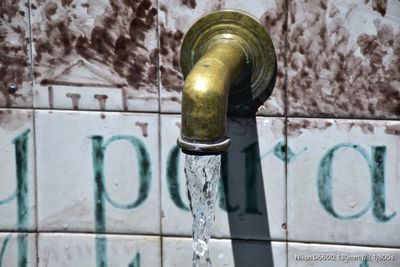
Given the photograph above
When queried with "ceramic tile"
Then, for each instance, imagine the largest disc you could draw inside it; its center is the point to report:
(343, 185)
(98, 250)
(98, 172)
(97, 55)
(15, 84)
(343, 58)
(175, 18)
(178, 252)
(17, 175)
(254, 173)
(18, 249)
(300, 254)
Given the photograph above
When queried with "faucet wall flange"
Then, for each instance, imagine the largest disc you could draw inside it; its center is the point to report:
(245, 30)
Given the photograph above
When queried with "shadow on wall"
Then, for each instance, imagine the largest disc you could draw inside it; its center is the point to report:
(246, 203)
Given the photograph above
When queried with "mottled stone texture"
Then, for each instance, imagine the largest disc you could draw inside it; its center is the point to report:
(335, 58)
(343, 59)
(113, 43)
(15, 88)
(110, 34)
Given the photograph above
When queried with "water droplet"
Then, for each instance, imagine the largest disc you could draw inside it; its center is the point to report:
(352, 204)
(65, 226)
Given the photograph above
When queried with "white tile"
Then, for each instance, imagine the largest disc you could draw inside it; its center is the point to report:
(343, 185)
(95, 55)
(18, 249)
(300, 255)
(17, 175)
(98, 250)
(226, 253)
(15, 80)
(98, 172)
(175, 18)
(258, 210)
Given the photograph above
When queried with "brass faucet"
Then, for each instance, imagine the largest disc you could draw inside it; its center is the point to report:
(225, 55)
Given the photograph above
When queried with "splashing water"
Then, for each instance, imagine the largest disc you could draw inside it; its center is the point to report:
(202, 175)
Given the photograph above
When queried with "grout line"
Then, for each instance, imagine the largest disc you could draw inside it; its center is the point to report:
(32, 109)
(213, 238)
(285, 60)
(343, 118)
(230, 116)
(35, 183)
(31, 74)
(286, 123)
(159, 130)
(158, 56)
(286, 189)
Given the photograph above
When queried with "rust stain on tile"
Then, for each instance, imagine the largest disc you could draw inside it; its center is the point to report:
(275, 23)
(189, 3)
(14, 69)
(115, 42)
(326, 75)
(393, 129)
(12, 120)
(170, 43)
(144, 126)
(296, 127)
(379, 6)
(366, 127)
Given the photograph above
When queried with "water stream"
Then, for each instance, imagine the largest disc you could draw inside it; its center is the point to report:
(202, 175)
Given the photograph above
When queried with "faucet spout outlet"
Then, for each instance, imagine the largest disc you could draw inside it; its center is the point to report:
(226, 56)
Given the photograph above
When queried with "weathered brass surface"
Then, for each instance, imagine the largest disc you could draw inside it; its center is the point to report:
(226, 55)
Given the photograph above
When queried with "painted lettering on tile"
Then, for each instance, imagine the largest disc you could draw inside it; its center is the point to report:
(21, 191)
(174, 185)
(251, 155)
(20, 195)
(22, 243)
(173, 176)
(101, 195)
(101, 254)
(3, 248)
(376, 165)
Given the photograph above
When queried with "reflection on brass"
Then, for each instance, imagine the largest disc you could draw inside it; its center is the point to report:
(225, 55)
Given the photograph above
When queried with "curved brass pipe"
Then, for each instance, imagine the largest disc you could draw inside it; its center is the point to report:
(205, 97)
(227, 45)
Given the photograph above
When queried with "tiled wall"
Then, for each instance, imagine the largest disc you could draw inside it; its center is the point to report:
(90, 173)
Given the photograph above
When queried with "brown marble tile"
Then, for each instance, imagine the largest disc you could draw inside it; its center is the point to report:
(175, 18)
(15, 85)
(95, 54)
(344, 58)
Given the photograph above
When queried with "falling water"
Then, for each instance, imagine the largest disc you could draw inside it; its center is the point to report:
(202, 175)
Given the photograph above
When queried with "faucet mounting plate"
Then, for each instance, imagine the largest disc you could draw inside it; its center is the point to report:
(256, 83)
